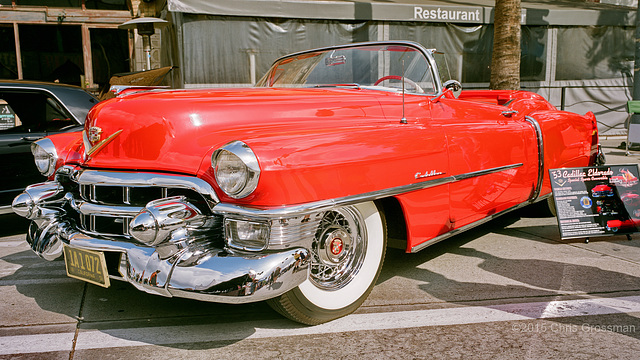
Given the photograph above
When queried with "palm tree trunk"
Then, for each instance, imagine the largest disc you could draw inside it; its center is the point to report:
(505, 60)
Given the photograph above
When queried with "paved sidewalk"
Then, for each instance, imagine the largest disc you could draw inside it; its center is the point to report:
(615, 152)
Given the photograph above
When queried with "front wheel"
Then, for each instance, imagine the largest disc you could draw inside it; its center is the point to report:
(347, 255)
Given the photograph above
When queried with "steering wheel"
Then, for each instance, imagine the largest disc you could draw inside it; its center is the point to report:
(396, 77)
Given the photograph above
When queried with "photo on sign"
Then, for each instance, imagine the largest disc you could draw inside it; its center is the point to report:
(597, 201)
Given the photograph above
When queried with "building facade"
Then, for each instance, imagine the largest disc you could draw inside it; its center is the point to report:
(71, 41)
(579, 55)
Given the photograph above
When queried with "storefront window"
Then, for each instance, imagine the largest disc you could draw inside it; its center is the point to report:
(8, 64)
(595, 52)
(468, 49)
(109, 54)
(52, 53)
(89, 4)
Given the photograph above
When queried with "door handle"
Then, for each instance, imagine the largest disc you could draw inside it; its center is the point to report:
(31, 138)
(509, 113)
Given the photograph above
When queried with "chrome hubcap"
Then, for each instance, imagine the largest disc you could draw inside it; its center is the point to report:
(333, 246)
(338, 249)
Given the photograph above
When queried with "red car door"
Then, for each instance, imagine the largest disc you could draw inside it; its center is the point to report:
(490, 153)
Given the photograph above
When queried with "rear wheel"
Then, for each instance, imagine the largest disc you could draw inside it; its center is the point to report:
(551, 206)
(347, 255)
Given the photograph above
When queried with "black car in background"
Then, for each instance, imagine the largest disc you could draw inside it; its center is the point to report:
(29, 111)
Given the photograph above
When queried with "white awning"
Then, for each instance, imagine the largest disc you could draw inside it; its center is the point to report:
(538, 12)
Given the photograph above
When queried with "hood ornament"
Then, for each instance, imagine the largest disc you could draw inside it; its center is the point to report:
(94, 134)
(92, 142)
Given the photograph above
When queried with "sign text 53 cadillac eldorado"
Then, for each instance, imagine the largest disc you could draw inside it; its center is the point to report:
(291, 191)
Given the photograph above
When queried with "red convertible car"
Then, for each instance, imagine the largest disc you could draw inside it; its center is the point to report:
(291, 191)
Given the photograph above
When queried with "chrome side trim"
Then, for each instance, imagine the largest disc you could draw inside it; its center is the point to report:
(95, 177)
(534, 196)
(323, 205)
(538, 129)
(6, 210)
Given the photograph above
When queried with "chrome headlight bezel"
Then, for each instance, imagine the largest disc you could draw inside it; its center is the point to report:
(45, 156)
(236, 169)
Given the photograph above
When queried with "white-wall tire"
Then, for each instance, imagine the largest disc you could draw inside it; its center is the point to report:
(346, 260)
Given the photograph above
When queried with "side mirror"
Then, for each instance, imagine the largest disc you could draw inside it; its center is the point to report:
(454, 86)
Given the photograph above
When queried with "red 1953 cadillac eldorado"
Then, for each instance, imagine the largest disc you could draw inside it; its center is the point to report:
(291, 191)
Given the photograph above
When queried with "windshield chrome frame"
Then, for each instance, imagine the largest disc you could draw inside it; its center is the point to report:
(427, 53)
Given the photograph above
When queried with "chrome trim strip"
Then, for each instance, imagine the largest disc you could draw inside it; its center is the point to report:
(131, 179)
(87, 208)
(539, 138)
(6, 210)
(323, 205)
(126, 197)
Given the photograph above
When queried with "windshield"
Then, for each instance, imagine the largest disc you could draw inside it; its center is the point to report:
(370, 66)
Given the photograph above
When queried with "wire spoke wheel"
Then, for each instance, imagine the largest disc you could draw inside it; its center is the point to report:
(347, 255)
(339, 248)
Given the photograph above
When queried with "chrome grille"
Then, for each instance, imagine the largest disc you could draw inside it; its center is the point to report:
(105, 225)
(131, 195)
(107, 201)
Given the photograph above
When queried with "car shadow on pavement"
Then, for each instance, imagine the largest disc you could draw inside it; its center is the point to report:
(496, 278)
(125, 313)
(12, 224)
(121, 311)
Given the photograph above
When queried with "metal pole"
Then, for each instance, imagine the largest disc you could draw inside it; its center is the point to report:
(636, 70)
(634, 121)
(146, 46)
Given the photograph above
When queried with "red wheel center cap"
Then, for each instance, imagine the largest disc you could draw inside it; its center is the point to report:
(336, 246)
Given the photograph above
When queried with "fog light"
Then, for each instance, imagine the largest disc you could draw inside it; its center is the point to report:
(246, 235)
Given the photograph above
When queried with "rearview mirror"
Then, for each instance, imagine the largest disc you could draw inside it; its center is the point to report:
(454, 86)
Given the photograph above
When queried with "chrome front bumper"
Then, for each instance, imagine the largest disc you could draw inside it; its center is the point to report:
(191, 268)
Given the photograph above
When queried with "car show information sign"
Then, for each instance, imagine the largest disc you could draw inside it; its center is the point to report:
(596, 201)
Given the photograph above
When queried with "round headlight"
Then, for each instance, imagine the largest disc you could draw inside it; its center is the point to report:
(45, 156)
(236, 169)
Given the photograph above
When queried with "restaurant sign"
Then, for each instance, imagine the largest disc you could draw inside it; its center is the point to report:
(451, 14)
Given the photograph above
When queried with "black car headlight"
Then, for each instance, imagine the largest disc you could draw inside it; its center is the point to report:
(45, 156)
(236, 169)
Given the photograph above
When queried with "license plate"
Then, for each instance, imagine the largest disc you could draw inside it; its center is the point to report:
(86, 265)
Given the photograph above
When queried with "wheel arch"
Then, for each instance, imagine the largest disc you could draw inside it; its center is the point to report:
(395, 221)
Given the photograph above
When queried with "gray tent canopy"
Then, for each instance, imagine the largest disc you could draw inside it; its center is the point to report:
(578, 55)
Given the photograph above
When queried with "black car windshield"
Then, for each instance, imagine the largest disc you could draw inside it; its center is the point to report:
(79, 102)
(385, 67)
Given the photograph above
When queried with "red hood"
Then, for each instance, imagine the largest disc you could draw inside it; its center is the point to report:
(174, 130)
